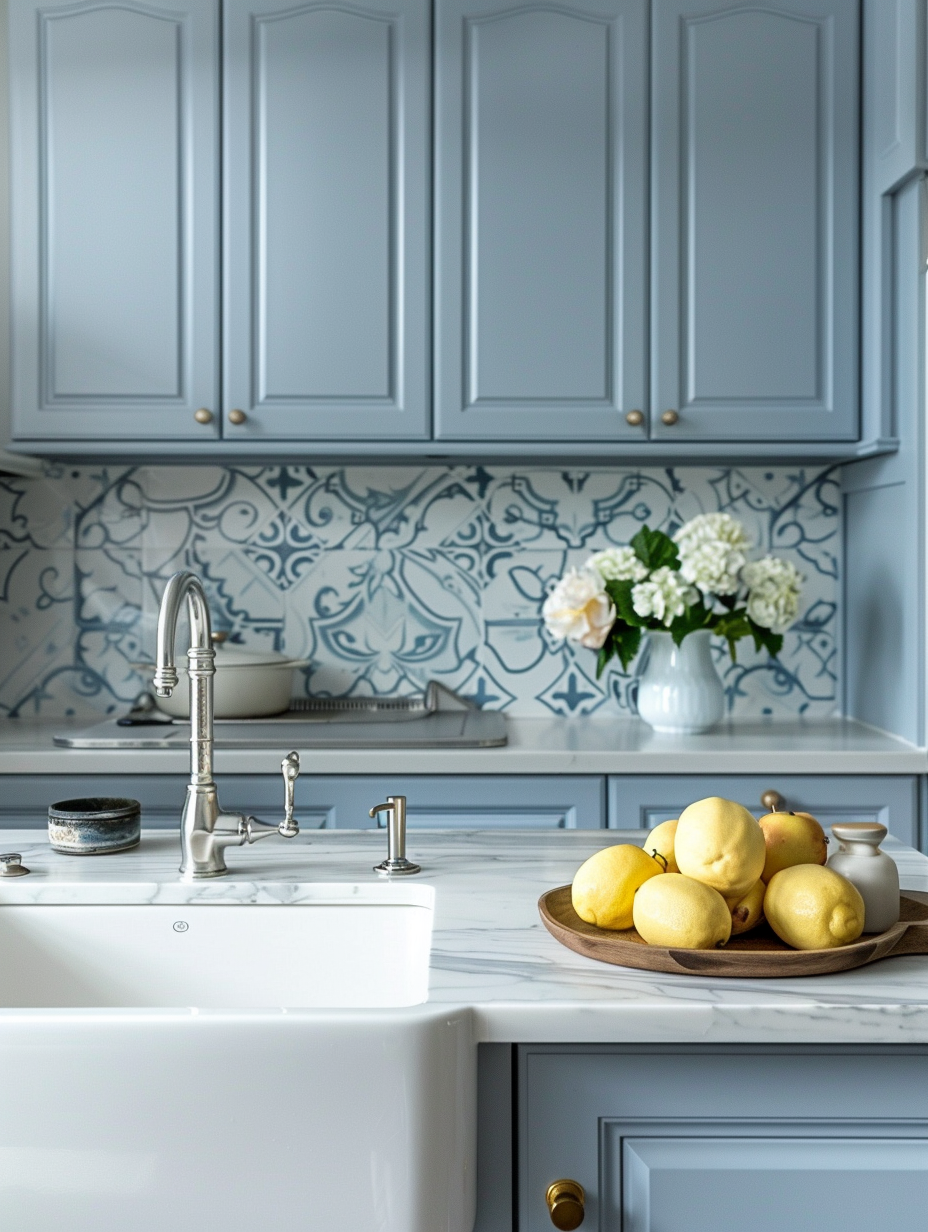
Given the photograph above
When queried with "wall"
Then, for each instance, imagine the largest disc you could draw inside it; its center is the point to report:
(383, 577)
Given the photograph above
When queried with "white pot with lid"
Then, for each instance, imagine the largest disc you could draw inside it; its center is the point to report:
(249, 684)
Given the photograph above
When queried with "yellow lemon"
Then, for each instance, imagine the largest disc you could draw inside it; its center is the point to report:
(605, 884)
(720, 843)
(811, 907)
(660, 843)
(747, 911)
(676, 910)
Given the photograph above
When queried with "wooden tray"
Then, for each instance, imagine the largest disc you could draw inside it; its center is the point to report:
(759, 954)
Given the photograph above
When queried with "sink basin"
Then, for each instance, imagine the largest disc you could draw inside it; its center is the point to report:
(273, 1064)
(337, 947)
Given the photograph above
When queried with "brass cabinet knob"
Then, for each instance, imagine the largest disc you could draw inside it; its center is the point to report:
(634, 418)
(203, 415)
(670, 418)
(237, 417)
(565, 1204)
(772, 801)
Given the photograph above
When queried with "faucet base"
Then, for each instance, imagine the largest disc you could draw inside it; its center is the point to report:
(397, 868)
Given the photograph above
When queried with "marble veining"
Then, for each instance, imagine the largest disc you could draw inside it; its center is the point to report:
(383, 577)
(490, 952)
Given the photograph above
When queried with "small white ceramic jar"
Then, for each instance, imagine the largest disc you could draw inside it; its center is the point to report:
(872, 871)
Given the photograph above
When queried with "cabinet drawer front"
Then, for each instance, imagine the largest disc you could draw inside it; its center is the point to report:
(638, 801)
(449, 802)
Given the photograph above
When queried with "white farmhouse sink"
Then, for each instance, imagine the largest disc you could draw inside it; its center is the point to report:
(275, 1065)
(369, 951)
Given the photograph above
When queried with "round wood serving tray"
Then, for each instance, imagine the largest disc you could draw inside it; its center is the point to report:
(759, 954)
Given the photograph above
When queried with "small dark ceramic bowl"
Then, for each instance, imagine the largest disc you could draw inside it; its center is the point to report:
(94, 826)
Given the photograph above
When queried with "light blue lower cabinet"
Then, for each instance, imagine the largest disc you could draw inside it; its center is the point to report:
(481, 802)
(642, 801)
(688, 1139)
(463, 802)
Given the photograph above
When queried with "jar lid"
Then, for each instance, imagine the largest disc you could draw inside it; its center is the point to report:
(859, 831)
(95, 808)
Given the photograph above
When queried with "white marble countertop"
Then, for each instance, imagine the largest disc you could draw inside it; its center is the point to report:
(490, 951)
(536, 746)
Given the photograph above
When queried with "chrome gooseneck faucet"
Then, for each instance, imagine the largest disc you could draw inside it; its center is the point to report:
(205, 830)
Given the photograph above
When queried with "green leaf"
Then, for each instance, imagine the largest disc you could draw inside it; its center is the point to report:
(606, 651)
(655, 549)
(765, 638)
(621, 595)
(697, 616)
(626, 639)
(732, 626)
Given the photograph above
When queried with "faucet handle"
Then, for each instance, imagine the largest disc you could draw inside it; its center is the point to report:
(290, 768)
(396, 864)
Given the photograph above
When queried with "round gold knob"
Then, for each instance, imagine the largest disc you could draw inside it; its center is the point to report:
(634, 418)
(203, 415)
(565, 1204)
(772, 801)
(670, 418)
(237, 417)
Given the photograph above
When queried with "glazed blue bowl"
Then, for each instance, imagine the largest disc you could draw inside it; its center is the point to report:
(94, 826)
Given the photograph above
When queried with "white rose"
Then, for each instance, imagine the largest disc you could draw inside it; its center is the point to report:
(617, 565)
(713, 549)
(664, 596)
(579, 609)
(774, 589)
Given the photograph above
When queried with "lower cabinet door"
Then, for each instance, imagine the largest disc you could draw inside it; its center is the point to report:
(444, 802)
(694, 1138)
(772, 1184)
(892, 800)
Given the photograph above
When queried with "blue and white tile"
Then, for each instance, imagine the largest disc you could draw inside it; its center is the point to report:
(385, 577)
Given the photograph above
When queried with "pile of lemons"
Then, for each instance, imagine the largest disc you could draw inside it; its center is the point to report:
(716, 872)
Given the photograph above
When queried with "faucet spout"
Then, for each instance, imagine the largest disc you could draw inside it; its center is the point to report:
(205, 829)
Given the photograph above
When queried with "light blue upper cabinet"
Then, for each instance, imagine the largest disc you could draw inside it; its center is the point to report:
(326, 193)
(540, 219)
(115, 115)
(754, 220)
(895, 120)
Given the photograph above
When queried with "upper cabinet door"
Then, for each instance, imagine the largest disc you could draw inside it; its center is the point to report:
(114, 219)
(326, 219)
(540, 216)
(754, 220)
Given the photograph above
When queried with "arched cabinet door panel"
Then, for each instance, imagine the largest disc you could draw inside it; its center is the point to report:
(754, 158)
(326, 183)
(540, 219)
(115, 114)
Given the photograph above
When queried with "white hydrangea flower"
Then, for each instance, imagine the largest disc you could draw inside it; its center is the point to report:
(618, 565)
(579, 609)
(774, 589)
(665, 596)
(713, 549)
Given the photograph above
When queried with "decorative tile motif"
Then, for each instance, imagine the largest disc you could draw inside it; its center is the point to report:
(383, 577)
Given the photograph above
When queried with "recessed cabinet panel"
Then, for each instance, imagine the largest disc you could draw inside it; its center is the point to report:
(774, 1184)
(754, 165)
(540, 196)
(326, 182)
(114, 224)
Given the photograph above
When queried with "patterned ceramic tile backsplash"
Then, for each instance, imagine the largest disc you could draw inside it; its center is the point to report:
(383, 577)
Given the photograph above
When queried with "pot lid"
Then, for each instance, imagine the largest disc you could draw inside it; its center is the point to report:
(239, 656)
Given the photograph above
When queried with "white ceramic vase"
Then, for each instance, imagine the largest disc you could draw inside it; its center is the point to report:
(679, 690)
